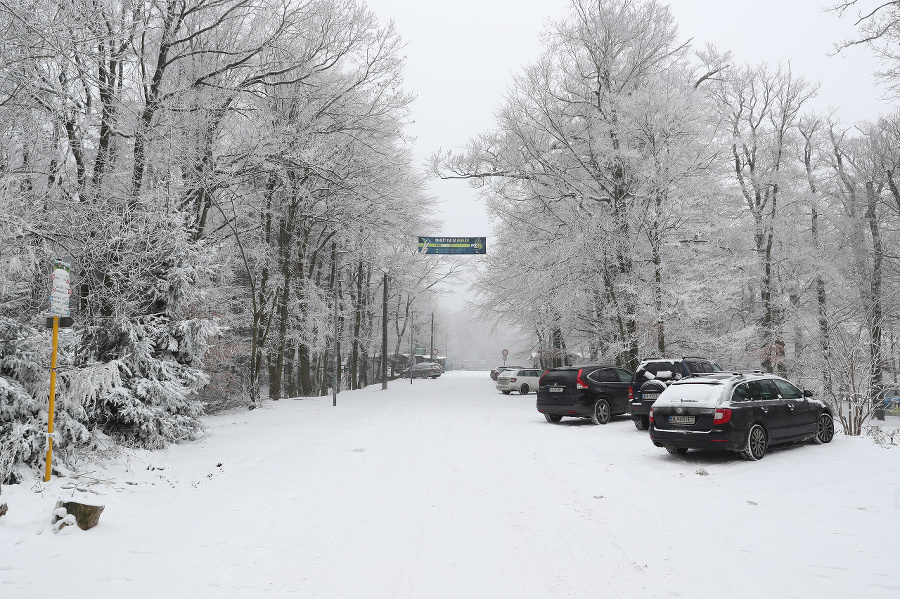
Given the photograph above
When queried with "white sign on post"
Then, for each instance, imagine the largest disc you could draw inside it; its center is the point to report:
(59, 298)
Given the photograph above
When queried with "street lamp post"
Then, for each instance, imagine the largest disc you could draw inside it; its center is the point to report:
(384, 334)
(335, 355)
(412, 356)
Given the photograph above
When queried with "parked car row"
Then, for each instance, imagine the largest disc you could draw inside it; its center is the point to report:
(689, 403)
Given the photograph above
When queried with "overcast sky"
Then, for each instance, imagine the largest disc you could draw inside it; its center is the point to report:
(461, 57)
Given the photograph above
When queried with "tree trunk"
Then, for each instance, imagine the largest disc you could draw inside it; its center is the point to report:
(876, 310)
(357, 325)
(290, 370)
(306, 383)
(822, 313)
(657, 296)
(171, 23)
(285, 247)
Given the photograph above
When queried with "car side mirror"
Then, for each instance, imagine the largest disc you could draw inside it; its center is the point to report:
(807, 393)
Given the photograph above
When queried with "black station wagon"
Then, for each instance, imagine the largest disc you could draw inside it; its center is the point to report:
(594, 391)
(738, 412)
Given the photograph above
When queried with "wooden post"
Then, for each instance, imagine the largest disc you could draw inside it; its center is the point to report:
(49, 458)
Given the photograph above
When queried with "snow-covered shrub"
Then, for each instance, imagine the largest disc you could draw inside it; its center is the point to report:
(143, 390)
(24, 400)
(141, 336)
(226, 365)
(882, 436)
(131, 366)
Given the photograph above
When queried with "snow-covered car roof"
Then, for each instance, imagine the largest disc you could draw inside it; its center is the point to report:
(708, 389)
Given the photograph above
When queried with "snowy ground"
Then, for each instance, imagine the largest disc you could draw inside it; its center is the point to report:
(447, 488)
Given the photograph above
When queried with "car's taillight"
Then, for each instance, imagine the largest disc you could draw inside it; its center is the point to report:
(651, 415)
(630, 393)
(512, 380)
(722, 416)
(579, 384)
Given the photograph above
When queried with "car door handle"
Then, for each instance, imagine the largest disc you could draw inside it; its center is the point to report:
(790, 406)
(765, 409)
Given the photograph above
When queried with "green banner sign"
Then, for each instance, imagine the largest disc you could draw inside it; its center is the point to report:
(452, 245)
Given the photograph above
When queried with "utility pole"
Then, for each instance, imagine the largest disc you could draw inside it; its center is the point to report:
(336, 353)
(432, 337)
(384, 329)
(412, 357)
(334, 378)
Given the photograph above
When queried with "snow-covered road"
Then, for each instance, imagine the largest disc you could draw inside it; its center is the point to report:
(447, 488)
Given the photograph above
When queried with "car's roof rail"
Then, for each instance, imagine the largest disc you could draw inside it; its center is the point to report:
(746, 372)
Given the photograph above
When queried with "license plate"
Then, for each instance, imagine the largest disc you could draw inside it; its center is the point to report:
(651, 395)
(681, 419)
(556, 389)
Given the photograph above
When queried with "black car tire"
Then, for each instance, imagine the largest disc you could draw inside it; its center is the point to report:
(554, 418)
(600, 414)
(824, 429)
(523, 390)
(641, 423)
(677, 450)
(506, 392)
(757, 443)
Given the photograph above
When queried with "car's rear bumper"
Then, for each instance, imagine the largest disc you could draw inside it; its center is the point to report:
(729, 440)
(639, 408)
(576, 410)
(568, 403)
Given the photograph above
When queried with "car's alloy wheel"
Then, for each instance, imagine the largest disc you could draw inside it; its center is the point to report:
(523, 390)
(757, 442)
(554, 418)
(600, 414)
(824, 429)
(677, 450)
(641, 423)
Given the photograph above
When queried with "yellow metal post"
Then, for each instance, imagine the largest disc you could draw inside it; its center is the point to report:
(52, 399)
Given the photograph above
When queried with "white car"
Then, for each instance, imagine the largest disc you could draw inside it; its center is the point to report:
(522, 380)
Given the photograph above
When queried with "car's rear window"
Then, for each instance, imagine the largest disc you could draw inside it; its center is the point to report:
(706, 393)
(559, 377)
(663, 369)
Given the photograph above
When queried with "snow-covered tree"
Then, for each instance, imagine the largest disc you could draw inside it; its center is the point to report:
(597, 155)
